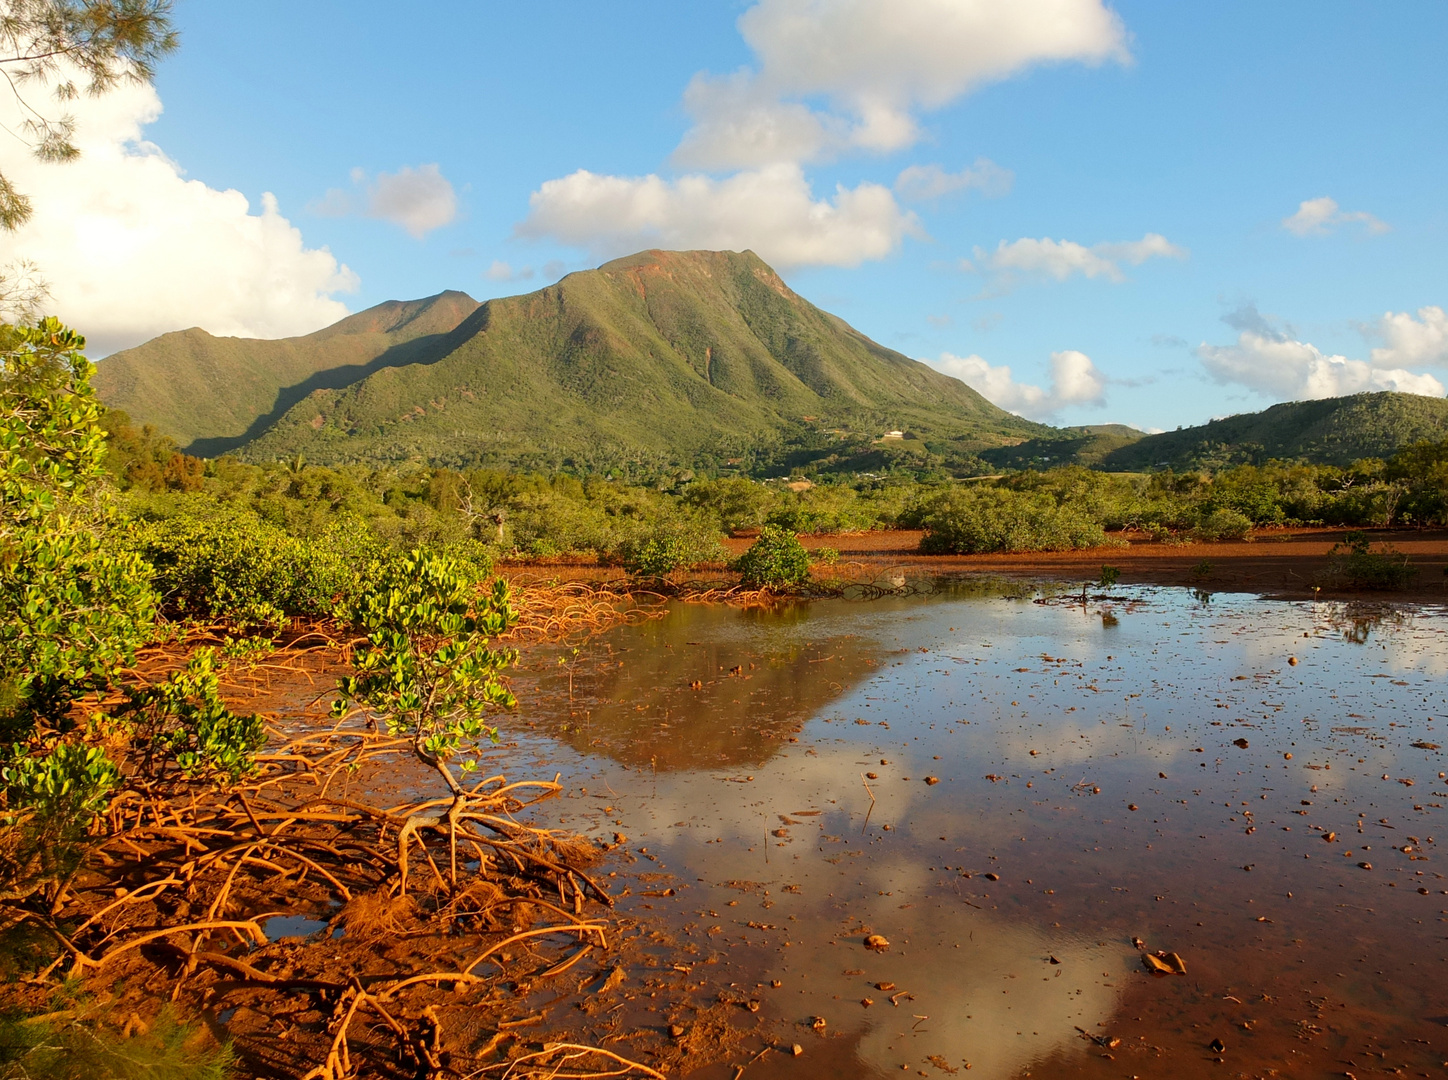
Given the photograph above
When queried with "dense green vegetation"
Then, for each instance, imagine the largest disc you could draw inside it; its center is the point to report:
(1331, 431)
(215, 393)
(664, 360)
(987, 518)
(1087, 446)
(313, 531)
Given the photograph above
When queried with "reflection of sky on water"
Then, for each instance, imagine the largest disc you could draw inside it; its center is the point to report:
(1022, 711)
(986, 984)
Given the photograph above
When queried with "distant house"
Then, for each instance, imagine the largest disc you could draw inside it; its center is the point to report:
(893, 435)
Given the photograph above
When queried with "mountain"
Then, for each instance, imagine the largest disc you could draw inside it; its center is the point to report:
(213, 394)
(1329, 431)
(1087, 446)
(661, 357)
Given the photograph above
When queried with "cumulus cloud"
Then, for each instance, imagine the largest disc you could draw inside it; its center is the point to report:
(771, 210)
(876, 64)
(419, 199)
(1423, 340)
(1075, 380)
(1272, 362)
(1062, 259)
(1318, 217)
(828, 76)
(919, 183)
(132, 249)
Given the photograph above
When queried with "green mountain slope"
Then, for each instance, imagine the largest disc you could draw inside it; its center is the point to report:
(662, 357)
(1089, 446)
(213, 394)
(1330, 431)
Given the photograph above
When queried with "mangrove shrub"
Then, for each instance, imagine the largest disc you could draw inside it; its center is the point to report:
(967, 521)
(776, 560)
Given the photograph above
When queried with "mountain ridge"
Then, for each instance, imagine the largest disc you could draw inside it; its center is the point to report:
(1325, 431)
(663, 359)
(171, 380)
(683, 357)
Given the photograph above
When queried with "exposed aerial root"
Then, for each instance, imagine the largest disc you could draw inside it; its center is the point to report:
(182, 876)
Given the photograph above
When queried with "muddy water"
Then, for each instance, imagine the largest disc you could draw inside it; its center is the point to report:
(1010, 791)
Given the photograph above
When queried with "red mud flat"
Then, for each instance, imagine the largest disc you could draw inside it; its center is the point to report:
(1286, 562)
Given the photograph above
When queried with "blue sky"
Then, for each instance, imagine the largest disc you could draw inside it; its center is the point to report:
(1138, 228)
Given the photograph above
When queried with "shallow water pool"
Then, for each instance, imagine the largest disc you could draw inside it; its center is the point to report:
(1022, 793)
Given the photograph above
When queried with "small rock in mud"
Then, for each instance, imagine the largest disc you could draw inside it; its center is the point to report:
(878, 942)
(1242, 743)
(932, 780)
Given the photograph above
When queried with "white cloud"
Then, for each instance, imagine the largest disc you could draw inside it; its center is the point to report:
(132, 249)
(420, 199)
(1423, 340)
(877, 63)
(1075, 380)
(829, 76)
(771, 210)
(1061, 259)
(918, 183)
(1274, 363)
(501, 271)
(1317, 217)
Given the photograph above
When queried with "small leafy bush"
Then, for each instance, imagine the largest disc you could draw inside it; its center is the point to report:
(426, 667)
(53, 792)
(184, 720)
(1224, 523)
(979, 519)
(73, 780)
(1353, 564)
(777, 559)
(653, 556)
(669, 545)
